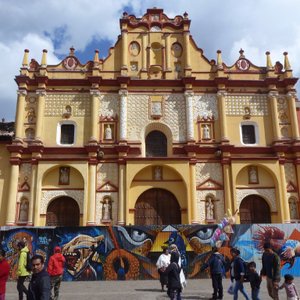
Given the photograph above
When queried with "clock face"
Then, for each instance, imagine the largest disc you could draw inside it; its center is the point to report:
(243, 64)
(70, 63)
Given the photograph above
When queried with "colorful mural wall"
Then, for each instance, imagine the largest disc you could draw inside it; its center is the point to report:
(131, 252)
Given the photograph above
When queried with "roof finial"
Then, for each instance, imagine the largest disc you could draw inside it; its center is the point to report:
(186, 15)
(96, 58)
(72, 50)
(287, 65)
(25, 59)
(219, 60)
(269, 62)
(242, 53)
(44, 59)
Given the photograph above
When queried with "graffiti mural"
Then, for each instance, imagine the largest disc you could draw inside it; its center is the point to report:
(131, 252)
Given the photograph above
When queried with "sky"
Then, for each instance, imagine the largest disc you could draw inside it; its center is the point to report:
(256, 26)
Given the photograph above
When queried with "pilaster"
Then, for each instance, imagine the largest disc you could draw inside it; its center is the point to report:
(283, 201)
(40, 114)
(291, 97)
(222, 109)
(189, 115)
(12, 194)
(123, 115)
(193, 214)
(91, 194)
(273, 100)
(122, 189)
(94, 137)
(20, 115)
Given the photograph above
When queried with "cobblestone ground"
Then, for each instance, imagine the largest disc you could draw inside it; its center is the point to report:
(139, 290)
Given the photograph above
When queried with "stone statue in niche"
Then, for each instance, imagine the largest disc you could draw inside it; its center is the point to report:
(209, 207)
(156, 108)
(247, 112)
(106, 210)
(64, 175)
(23, 215)
(108, 132)
(253, 176)
(157, 173)
(206, 132)
(30, 115)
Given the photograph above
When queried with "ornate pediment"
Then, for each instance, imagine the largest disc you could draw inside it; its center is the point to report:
(209, 184)
(107, 187)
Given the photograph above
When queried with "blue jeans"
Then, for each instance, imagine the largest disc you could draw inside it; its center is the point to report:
(239, 287)
(254, 294)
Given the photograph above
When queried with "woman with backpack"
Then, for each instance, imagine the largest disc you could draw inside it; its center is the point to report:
(173, 271)
(22, 271)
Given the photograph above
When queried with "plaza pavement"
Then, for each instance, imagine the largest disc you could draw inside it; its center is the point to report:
(139, 290)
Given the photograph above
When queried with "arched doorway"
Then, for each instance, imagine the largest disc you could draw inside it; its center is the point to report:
(254, 209)
(156, 144)
(63, 211)
(157, 207)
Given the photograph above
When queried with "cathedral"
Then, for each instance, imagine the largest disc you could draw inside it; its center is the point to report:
(155, 133)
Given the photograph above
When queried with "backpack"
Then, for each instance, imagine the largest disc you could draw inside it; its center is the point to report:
(28, 265)
(246, 268)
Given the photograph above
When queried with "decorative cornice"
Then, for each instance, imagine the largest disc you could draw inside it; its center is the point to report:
(22, 92)
(41, 92)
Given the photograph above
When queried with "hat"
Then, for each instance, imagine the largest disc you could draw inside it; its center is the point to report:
(21, 244)
(57, 249)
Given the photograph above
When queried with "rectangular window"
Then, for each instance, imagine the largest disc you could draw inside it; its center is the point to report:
(67, 134)
(248, 134)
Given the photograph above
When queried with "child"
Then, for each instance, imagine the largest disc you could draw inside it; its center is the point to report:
(255, 280)
(290, 288)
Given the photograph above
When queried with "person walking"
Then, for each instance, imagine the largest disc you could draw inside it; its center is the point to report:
(271, 269)
(290, 287)
(4, 273)
(216, 263)
(255, 280)
(161, 264)
(173, 272)
(22, 272)
(39, 286)
(238, 272)
(56, 269)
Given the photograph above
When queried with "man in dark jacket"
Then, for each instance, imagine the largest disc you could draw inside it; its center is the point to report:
(271, 269)
(216, 263)
(173, 271)
(39, 286)
(237, 273)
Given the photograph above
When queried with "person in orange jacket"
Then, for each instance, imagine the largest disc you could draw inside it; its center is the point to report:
(56, 269)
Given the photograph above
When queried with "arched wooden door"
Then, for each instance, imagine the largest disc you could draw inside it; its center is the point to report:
(63, 211)
(157, 207)
(254, 209)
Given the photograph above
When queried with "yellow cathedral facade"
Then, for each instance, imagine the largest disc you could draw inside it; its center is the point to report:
(155, 133)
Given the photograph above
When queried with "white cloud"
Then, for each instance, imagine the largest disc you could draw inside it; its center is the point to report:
(256, 26)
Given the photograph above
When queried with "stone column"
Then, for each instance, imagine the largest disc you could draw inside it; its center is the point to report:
(284, 204)
(228, 205)
(186, 40)
(144, 51)
(12, 194)
(168, 52)
(32, 193)
(94, 137)
(123, 115)
(189, 115)
(20, 114)
(222, 115)
(40, 114)
(122, 190)
(91, 194)
(124, 48)
(276, 130)
(194, 207)
(291, 96)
